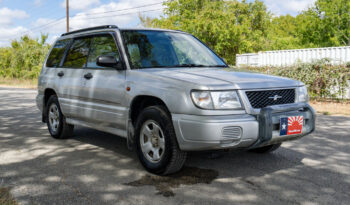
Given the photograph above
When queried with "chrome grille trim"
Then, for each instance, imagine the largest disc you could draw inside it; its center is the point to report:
(262, 98)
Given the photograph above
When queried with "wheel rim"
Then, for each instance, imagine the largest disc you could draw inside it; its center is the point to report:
(54, 117)
(152, 141)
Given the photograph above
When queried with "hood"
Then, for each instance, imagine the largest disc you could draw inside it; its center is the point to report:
(221, 77)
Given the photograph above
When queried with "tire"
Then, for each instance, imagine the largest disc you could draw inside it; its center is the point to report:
(156, 143)
(266, 149)
(56, 122)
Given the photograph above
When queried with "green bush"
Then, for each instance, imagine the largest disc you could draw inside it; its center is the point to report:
(24, 58)
(322, 79)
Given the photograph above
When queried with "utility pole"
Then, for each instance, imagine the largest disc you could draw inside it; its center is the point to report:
(67, 14)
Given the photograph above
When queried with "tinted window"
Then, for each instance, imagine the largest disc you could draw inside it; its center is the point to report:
(57, 52)
(102, 46)
(77, 54)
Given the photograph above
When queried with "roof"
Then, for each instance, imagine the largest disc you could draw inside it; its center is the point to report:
(116, 27)
(90, 29)
(149, 29)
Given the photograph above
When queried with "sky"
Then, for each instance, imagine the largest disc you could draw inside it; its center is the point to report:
(32, 17)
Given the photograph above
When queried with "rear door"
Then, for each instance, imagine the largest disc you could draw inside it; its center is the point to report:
(104, 87)
(48, 76)
(70, 77)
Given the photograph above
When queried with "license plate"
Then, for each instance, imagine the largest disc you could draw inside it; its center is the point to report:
(291, 125)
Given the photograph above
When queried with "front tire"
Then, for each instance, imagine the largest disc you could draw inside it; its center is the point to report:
(156, 143)
(56, 122)
(266, 149)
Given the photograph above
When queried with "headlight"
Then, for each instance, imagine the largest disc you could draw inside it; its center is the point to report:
(302, 95)
(216, 99)
(202, 99)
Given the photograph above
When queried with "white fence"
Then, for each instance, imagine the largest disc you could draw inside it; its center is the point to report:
(337, 55)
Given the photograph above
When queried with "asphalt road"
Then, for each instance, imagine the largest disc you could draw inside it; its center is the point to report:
(96, 168)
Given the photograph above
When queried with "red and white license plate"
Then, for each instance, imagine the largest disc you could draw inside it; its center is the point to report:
(291, 125)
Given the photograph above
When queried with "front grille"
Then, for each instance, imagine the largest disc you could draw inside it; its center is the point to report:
(261, 99)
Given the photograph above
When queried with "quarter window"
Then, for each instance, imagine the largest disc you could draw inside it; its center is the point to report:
(77, 54)
(57, 52)
(102, 46)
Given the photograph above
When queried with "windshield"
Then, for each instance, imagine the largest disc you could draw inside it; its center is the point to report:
(162, 49)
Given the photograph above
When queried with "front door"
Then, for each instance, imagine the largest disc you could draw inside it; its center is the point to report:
(104, 88)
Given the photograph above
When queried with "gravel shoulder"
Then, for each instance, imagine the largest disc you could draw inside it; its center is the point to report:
(96, 168)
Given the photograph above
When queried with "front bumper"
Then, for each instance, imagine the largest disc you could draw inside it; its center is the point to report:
(248, 131)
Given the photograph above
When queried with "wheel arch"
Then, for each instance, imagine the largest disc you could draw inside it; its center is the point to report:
(48, 92)
(140, 102)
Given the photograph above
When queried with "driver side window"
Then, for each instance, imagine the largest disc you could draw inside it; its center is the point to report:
(103, 45)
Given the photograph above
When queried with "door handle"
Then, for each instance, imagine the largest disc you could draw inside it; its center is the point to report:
(60, 74)
(88, 76)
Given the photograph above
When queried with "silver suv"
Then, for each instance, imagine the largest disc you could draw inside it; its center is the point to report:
(166, 93)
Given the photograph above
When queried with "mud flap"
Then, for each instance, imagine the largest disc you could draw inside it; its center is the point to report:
(131, 136)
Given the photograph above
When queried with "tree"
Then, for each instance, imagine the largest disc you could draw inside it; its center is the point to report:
(283, 34)
(24, 58)
(232, 26)
(228, 27)
(325, 24)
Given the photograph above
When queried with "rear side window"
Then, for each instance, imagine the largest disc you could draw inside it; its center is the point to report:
(57, 52)
(102, 46)
(77, 54)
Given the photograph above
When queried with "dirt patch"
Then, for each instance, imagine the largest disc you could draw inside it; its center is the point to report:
(18, 83)
(6, 197)
(187, 176)
(332, 108)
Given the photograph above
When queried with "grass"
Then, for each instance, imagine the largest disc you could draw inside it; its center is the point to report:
(19, 83)
(331, 108)
(6, 198)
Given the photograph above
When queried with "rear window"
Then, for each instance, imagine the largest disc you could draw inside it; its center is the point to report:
(57, 52)
(77, 54)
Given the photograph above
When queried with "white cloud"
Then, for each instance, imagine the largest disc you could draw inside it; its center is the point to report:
(95, 16)
(51, 26)
(13, 32)
(7, 31)
(80, 4)
(38, 2)
(7, 16)
(124, 18)
(292, 7)
(88, 18)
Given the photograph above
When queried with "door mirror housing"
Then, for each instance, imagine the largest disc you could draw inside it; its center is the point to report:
(109, 61)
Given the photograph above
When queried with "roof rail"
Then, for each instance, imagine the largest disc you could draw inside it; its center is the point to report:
(90, 29)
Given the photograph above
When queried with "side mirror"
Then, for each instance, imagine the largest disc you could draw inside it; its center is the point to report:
(108, 61)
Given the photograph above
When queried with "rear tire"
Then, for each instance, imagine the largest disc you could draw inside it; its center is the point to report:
(55, 120)
(266, 149)
(156, 143)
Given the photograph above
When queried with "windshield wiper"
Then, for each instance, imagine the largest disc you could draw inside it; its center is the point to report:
(156, 66)
(190, 65)
(198, 65)
(224, 66)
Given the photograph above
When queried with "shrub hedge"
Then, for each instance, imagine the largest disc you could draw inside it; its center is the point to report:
(23, 60)
(322, 79)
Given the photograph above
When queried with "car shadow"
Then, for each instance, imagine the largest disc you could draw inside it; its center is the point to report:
(94, 167)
